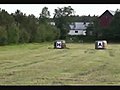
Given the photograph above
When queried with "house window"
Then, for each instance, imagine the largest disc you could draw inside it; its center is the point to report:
(76, 31)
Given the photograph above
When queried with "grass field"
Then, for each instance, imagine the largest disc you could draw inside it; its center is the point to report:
(40, 64)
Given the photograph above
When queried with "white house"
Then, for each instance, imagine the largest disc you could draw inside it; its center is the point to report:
(78, 28)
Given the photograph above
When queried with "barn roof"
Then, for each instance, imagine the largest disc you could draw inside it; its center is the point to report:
(79, 25)
(110, 11)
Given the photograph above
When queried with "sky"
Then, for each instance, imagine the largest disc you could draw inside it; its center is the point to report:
(80, 9)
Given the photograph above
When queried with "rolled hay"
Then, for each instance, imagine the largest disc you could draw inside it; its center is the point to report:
(102, 44)
(105, 44)
(59, 44)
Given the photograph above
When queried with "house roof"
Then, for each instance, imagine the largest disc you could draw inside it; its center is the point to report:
(79, 25)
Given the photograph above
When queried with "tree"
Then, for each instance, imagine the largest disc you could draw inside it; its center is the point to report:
(20, 28)
(6, 19)
(115, 26)
(40, 35)
(62, 20)
(3, 36)
(24, 36)
(31, 27)
(28, 23)
(44, 15)
(13, 34)
(95, 28)
(23, 23)
(46, 32)
(19, 17)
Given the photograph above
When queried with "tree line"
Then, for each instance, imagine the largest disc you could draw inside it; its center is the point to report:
(18, 28)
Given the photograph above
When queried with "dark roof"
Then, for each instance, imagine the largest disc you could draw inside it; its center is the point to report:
(109, 11)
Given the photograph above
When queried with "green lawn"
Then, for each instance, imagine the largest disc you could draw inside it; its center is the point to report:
(40, 64)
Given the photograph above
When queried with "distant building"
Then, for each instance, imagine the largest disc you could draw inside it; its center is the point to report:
(106, 18)
(78, 28)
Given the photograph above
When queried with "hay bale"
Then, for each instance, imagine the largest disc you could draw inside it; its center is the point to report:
(105, 44)
(59, 44)
(102, 44)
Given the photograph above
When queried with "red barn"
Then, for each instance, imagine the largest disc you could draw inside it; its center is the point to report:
(106, 18)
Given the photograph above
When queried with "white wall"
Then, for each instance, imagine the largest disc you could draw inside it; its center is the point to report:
(80, 32)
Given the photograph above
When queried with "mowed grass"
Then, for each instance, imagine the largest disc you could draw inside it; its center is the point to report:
(40, 64)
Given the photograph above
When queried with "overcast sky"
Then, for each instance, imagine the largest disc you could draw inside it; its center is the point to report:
(80, 9)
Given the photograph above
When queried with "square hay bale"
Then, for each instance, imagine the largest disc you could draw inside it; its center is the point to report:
(59, 44)
(101, 44)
